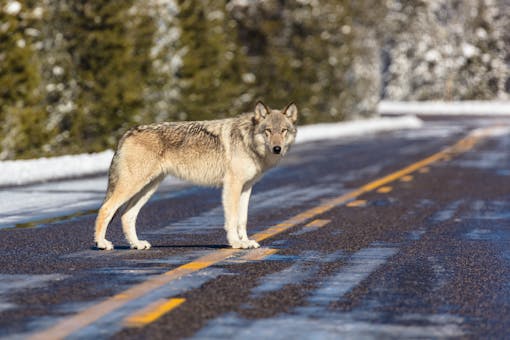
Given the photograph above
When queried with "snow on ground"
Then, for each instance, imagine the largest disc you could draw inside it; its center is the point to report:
(309, 133)
(22, 172)
(36, 202)
(450, 108)
(44, 169)
(19, 206)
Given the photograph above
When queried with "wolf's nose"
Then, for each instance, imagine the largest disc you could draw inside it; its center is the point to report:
(277, 149)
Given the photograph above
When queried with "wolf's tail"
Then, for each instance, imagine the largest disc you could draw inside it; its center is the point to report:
(113, 175)
(113, 172)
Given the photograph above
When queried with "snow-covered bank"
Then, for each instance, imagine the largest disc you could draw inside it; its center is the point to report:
(449, 108)
(309, 133)
(45, 169)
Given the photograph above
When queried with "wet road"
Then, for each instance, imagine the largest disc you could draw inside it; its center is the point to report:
(397, 235)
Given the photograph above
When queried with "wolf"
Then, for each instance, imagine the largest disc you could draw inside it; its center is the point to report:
(232, 153)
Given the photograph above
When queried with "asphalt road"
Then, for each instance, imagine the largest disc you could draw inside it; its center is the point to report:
(396, 235)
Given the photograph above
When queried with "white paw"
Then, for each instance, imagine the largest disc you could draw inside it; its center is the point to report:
(236, 244)
(104, 244)
(253, 244)
(244, 244)
(141, 245)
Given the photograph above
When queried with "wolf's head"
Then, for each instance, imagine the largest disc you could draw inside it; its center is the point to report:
(275, 130)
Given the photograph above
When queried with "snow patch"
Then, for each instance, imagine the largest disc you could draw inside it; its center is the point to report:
(469, 50)
(12, 8)
(471, 107)
(43, 169)
(309, 133)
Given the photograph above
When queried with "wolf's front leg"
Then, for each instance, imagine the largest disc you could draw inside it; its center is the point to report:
(243, 218)
(230, 196)
(232, 188)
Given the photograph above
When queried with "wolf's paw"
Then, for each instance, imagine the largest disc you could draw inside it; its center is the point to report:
(104, 244)
(253, 244)
(236, 244)
(244, 244)
(141, 245)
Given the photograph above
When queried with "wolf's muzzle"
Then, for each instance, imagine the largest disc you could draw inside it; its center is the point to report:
(277, 149)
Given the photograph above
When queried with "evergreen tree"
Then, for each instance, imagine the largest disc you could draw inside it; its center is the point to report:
(305, 50)
(163, 92)
(210, 76)
(61, 86)
(484, 71)
(109, 46)
(75, 74)
(449, 50)
(23, 129)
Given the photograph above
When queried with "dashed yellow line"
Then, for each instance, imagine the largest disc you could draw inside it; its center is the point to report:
(407, 178)
(152, 312)
(357, 203)
(197, 265)
(75, 322)
(84, 318)
(385, 190)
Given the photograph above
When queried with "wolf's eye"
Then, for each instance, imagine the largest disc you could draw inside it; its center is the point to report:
(284, 130)
(267, 131)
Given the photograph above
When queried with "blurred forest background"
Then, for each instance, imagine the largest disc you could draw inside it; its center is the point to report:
(75, 74)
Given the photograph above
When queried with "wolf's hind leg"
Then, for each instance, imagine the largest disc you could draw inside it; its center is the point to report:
(243, 219)
(124, 188)
(104, 217)
(131, 212)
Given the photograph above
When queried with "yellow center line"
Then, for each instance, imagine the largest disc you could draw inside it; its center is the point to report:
(257, 254)
(317, 223)
(152, 312)
(89, 315)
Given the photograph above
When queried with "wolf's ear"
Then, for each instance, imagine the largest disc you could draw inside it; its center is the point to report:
(261, 111)
(291, 112)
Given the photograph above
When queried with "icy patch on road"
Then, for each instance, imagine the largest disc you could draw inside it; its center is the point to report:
(261, 202)
(488, 221)
(496, 160)
(316, 321)
(44, 169)
(305, 268)
(113, 322)
(12, 284)
(332, 327)
(25, 205)
(360, 266)
(22, 205)
(447, 212)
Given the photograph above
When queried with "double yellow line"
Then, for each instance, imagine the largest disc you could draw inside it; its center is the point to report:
(88, 316)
